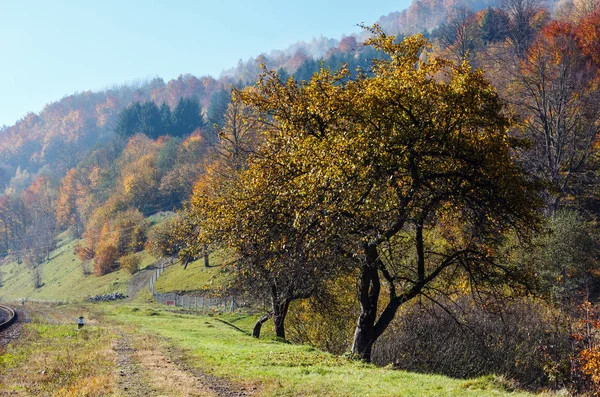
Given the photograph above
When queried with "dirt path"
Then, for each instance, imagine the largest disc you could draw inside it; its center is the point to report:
(131, 379)
(144, 369)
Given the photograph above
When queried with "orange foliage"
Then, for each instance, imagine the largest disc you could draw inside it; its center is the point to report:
(83, 253)
(588, 36)
(67, 211)
(105, 259)
(587, 344)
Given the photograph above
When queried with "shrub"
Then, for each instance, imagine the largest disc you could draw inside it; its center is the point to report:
(130, 263)
(528, 341)
(586, 341)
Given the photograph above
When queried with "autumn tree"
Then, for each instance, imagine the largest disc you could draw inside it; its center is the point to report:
(523, 22)
(460, 34)
(39, 202)
(556, 93)
(364, 170)
(122, 235)
(271, 260)
(10, 229)
(139, 175)
(587, 34)
(68, 214)
(237, 138)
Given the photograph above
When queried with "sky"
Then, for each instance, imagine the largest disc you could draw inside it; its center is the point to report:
(50, 49)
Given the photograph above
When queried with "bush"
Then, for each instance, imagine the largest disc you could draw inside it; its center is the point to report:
(586, 341)
(528, 341)
(326, 320)
(130, 263)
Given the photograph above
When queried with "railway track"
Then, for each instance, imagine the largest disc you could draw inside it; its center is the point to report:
(7, 317)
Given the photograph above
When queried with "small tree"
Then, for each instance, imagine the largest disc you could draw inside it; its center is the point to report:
(105, 258)
(130, 263)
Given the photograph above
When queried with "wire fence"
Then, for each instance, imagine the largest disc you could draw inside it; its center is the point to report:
(200, 303)
(22, 301)
(160, 268)
(197, 303)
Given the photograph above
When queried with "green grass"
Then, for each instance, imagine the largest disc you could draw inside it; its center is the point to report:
(195, 277)
(62, 278)
(282, 369)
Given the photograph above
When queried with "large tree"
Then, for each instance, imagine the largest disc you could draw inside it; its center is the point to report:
(362, 172)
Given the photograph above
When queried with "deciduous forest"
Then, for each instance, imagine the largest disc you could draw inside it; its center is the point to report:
(425, 194)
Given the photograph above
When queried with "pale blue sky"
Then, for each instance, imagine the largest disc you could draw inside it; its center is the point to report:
(49, 49)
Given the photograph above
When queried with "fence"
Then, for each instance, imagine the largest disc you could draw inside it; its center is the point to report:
(44, 301)
(197, 303)
(157, 272)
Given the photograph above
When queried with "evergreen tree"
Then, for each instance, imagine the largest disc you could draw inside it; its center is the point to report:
(218, 106)
(166, 119)
(150, 120)
(128, 121)
(493, 25)
(187, 116)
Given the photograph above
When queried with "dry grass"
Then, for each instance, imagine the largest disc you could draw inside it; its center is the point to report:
(54, 358)
(58, 360)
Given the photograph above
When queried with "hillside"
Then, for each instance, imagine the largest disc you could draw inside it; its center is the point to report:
(63, 278)
(426, 202)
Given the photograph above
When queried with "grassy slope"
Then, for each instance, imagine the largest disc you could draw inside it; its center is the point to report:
(62, 277)
(280, 369)
(195, 277)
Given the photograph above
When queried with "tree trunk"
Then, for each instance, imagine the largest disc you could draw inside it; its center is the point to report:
(280, 310)
(369, 288)
(206, 263)
(369, 328)
(259, 323)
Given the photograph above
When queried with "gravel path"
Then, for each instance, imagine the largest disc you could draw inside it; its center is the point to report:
(14, 331)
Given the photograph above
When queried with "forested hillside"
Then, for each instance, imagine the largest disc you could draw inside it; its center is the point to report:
(425, 200)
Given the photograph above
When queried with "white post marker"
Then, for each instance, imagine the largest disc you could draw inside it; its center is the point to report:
(80, 322)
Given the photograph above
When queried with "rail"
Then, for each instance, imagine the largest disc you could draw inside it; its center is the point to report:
(10, 315)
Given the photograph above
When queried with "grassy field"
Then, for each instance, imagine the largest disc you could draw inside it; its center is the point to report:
(120, 346)
(62, 278)
(279, 369)
(52, 358)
